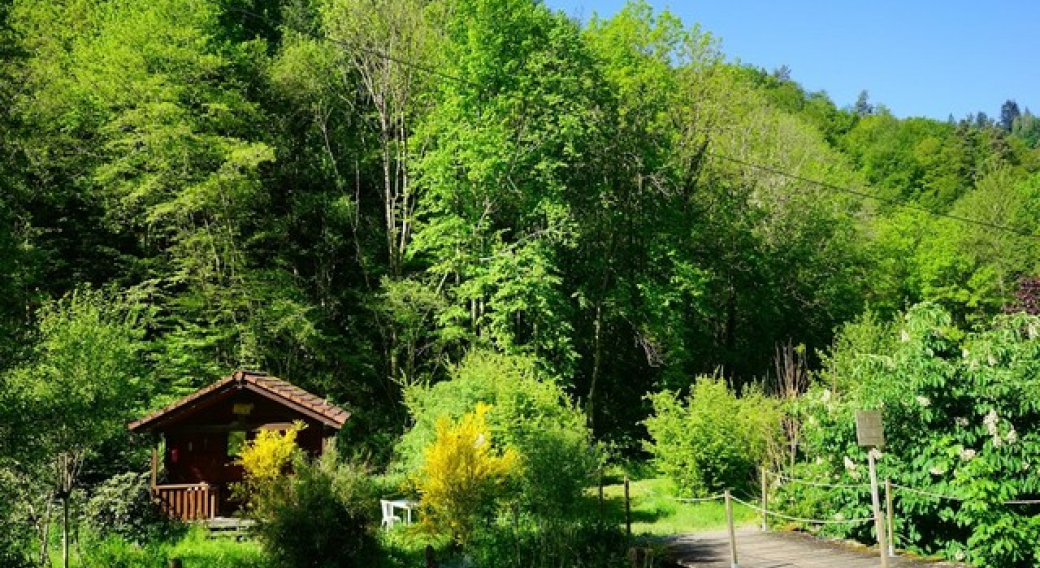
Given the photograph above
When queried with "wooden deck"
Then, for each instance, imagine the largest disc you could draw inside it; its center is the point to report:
(756, 549)
(187, 501)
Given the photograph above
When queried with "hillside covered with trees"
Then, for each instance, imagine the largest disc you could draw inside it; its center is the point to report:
(354, 195)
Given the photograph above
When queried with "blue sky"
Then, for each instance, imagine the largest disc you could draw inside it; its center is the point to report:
(917, 57)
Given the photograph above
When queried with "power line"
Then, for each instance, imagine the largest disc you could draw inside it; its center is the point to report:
(769, 169)
(370, 51)
(866, 195)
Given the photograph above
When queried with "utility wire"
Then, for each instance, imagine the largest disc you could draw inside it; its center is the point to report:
(830, 186)
(370, 51)
(866, 195)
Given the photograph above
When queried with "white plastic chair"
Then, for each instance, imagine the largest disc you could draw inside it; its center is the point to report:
(388, 514)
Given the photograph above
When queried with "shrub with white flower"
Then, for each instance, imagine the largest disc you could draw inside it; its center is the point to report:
(990, 421)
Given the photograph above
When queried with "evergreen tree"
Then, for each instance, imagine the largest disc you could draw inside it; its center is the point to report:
(1009, 113)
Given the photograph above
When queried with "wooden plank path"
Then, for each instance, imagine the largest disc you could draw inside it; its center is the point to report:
(756, 549)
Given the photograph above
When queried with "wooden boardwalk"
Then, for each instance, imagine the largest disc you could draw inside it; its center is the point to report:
(756, 549)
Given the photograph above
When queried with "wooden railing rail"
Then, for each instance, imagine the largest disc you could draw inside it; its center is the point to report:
(187, 501)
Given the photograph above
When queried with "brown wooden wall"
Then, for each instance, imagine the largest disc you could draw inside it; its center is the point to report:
(197, 447)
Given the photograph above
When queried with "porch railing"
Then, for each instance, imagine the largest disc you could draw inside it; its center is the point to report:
(187, 501)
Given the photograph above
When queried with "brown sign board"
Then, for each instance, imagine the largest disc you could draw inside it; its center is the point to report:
(869, 429)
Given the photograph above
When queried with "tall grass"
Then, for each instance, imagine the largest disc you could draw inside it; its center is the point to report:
(194, 549)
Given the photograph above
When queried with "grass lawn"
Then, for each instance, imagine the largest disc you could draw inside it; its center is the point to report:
(656, 512)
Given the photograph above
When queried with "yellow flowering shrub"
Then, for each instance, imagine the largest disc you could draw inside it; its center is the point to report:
(265, 459)
(270, 453)
(462, 474)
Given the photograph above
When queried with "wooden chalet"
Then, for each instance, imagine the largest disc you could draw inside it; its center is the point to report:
(200, 435)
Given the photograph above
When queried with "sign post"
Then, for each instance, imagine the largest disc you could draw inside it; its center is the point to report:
(870, 433)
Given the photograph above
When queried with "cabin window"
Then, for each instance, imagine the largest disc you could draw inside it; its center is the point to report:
(235, 440)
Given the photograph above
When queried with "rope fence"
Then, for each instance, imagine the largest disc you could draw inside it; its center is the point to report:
(789, 479)
(716, 497)
(924, 493)
(896, 486)
(884, 520)
(801, 519)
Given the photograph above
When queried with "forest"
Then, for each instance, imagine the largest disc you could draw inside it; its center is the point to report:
(377, 198)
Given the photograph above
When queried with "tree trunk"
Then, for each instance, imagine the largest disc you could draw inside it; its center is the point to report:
(597, 361)
(65, 530)
(45, 533)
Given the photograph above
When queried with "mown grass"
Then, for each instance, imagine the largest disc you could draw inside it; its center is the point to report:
(655, 511)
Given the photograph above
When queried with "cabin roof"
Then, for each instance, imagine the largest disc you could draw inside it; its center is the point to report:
(273, 388)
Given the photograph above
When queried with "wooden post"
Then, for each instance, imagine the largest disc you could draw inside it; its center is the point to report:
(431, 562)
(765, 500)
(628, 512)
(601, 496)
(891, 518)
(879, 522)
(155, 463)
(732, 533)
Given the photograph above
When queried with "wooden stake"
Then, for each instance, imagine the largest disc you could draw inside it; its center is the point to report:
(765, 500)
(628, 512)
(732, 533)
(879, 522)
(601, 496)
(891, 518)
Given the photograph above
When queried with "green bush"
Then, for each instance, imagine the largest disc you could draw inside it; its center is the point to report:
(524, 546)
(961, 414)
(122, 505)
(15, 531)
(530, 415)
(714, 440)
(321, 516)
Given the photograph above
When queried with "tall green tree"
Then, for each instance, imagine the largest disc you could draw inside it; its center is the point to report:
(973, 270)
(504, 148)
(76, 392)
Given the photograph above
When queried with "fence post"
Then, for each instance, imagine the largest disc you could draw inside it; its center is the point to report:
(765, 500)
(628, 513)
(600, 496)
(732, 533)
(879, 523)
(891, 518)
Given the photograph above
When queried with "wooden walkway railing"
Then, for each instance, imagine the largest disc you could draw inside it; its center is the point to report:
(187, 501)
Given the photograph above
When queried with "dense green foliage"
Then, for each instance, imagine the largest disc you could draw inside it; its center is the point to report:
(362, 197)
(321, 516)
(529, 416)
(122, 506)
(715, 441)
(960, 416)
